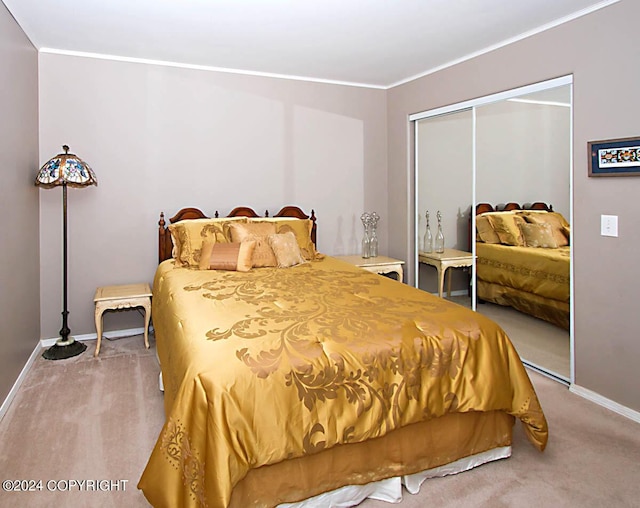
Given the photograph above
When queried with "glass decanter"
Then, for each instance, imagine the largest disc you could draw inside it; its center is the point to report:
(373, 243)
(427, 245)
(439, 243)
(366, 241)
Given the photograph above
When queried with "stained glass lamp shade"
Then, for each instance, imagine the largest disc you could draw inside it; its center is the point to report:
(66, 170)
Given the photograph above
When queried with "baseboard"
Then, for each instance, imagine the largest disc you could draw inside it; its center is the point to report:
(114, 334)
(23, 373)
(604, 402)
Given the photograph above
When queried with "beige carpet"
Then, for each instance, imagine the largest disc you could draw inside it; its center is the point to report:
(97, 419)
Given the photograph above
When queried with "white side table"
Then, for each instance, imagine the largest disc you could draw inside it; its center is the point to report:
(379, 264)
(127, 296)
(450, 258)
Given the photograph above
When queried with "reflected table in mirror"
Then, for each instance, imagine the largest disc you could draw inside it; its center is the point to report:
(450, 258)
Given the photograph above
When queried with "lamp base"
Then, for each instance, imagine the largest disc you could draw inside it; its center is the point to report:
(64, 349)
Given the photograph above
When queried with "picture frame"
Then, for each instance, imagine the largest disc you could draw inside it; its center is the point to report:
(614, 157)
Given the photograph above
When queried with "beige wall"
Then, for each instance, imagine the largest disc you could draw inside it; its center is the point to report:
(605, 106)
(19, 256)
(162, 138)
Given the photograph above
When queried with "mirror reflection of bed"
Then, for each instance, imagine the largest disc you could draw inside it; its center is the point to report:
(515, 147)
(523, 279)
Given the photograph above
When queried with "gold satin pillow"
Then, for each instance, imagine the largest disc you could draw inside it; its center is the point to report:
(485, 230)
(258, 232)
(506, 226)
(555, 220)
(538, 235)
(286, 249)
(227, 256)
(301, 228)
(189, 235)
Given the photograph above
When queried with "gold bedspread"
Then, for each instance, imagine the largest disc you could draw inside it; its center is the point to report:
(274, 364)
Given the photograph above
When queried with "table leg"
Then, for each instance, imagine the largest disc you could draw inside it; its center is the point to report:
(98, 317)
(441, 274)
(147, 318)
(449, 285)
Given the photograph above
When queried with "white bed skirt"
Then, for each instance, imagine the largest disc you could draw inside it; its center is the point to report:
(390, 490)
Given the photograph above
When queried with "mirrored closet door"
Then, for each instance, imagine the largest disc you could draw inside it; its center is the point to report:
(498, 168)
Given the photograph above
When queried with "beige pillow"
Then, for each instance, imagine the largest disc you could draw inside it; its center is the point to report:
(286, 249)
(538, 235)
(301, 228)
(189, 235)
(258, 232)
(485, 230)
(227, 256)
(506, 226)
(555, 220)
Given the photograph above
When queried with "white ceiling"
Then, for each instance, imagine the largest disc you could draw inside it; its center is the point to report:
(378, 43)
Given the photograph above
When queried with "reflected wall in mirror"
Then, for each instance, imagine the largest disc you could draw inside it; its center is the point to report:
(444, 184)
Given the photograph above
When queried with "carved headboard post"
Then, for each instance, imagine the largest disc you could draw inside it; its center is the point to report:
(162, 232)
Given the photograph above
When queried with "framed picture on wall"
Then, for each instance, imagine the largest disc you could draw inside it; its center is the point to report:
(614, 157)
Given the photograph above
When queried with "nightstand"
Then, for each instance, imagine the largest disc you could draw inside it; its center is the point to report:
(379, 264)
(127, 296)
(450, 258)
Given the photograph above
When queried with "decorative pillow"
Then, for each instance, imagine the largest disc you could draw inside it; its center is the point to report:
(506, 226)
(485, 230)
(188, 236)
(301, 228)
(285, 247)
(555, 220)
(538, 235)
(227, 256)
(258, 232)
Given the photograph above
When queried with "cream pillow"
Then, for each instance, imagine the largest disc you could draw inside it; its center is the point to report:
(286, 249)
(227, 256)
(257, 232)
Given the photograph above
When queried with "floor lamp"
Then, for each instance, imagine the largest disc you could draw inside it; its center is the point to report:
(66, 170)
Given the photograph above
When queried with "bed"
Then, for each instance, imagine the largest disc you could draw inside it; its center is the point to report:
(523, 260)
(287, 385)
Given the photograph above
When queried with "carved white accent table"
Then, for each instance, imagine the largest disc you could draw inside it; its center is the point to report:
(127, 296)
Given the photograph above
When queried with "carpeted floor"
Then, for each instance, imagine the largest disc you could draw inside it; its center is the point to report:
(98, 418)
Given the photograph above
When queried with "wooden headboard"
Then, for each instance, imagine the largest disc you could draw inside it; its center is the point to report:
(165, 244)
(486, 207)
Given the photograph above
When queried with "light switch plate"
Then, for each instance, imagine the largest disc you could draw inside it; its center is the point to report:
(609, 225)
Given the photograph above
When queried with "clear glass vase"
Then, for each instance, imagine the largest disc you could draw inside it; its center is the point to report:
(427, 245)
(439, 241)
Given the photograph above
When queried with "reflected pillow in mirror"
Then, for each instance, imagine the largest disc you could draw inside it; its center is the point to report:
(538, 235)
(555, 220)
(485, 230)
(506, 226)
